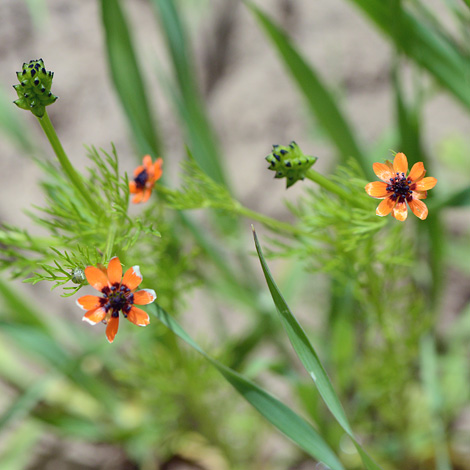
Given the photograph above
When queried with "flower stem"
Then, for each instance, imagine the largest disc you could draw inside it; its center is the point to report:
(242, 210)
(269, 222)
(69, 170)
(332, 187)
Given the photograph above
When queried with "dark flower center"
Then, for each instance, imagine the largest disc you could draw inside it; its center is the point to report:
(399, 185)
(117, 298)
(141, 179)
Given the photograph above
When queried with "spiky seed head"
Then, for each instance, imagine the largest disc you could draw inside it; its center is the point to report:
(34, 90)
(289, 162)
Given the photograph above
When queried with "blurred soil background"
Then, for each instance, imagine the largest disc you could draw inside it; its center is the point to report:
(250, 97)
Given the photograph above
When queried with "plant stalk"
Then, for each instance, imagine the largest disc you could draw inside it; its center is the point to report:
(332, 187)
(68, 168)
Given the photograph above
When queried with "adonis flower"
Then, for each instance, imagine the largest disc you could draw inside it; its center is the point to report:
(145, 177)
(118, 295)
(396, 189)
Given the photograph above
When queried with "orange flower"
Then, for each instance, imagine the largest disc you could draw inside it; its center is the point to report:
(145, 177)
(118, 295)
(396, 189)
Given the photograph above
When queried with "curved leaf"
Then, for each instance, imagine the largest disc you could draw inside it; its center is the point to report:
(127, 78)
(281, 416)
(309, 358)
(422, 44)
(320, 100)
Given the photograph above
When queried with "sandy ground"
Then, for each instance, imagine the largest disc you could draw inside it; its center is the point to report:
(249, 95)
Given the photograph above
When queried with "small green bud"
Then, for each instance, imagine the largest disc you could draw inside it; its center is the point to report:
(289, 162)
(34, 89)
(78, 276)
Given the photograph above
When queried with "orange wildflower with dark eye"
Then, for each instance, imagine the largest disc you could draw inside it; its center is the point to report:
(145, 177)
(397, 188)
(118, 296)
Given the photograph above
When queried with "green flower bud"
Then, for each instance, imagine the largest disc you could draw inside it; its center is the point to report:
(34, 89)
(78, 276)
(289, 162)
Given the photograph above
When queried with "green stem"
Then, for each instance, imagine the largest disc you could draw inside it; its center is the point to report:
(69, 170)
(268, 221)
(327, 184)
(264, 219)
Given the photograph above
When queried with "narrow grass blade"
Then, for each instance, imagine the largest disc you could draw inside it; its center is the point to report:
(282, 417)
(187, 98)
(320, 100)
(127, 78)
(409, 124)
(426, 47)
(431, 384)
(22, 406)
(460, 198)
(17, 449)
(309, 358)
(36, 344)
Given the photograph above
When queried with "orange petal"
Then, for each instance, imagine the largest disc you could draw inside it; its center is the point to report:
(96, 278)
(114, 271)
(138, 171)
(132, 278)
(112, 328)
(138, 317)
(94, 316)
(417, 172)
(385, 207)
(382, 171)
(426, 183)
(377, 189)
(400, 211)
(132, 187)
(147, 161)
(146, 194)
(157, 169)
(144, 296)
(420, 194)
(419, 208)
(89, 302)
(138, 197)
(400, 163)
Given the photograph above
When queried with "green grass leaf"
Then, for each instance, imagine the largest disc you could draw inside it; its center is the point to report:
(26, 401)
(40, 346)
(186, 95)
(318, 97)
(309, 358)
(426, 47)
(17, 447)
(409, 124)
(460, 198)
(127, 78)
(429, 368)
(282, 417)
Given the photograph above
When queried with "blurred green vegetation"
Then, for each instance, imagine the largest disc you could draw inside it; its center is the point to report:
(389, 364)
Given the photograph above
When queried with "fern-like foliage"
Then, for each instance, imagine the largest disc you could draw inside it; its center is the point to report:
(77, 236)
(199, 191)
